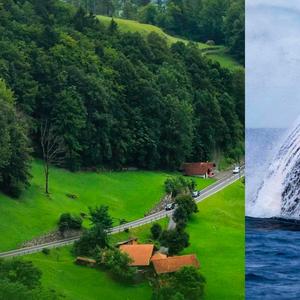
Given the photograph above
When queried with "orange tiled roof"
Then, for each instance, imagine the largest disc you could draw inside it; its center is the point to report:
(140, 253)
(158, 255)
(174, 263)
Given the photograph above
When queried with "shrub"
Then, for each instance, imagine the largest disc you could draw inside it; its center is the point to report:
(91, 240)
(185, 284)
(186, 206)
(156, 231)
(46, 251)
(179, 185)
(175, 240)
(117, 263)
(67, 221)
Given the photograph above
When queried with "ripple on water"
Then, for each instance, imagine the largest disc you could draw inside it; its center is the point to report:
(272, 260)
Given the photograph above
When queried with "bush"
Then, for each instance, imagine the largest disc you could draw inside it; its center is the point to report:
(156, 231)
(67, 221)
(179, 185)
(117, 263)
(91, 240)
(46, 251)
(175, 240)
(185, 284)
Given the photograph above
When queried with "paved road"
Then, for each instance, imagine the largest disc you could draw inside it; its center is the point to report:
(205, 193)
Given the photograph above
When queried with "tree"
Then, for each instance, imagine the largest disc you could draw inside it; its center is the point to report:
(175, 240)
(53, 149)
(99, 216)
(156, 230)
(23, 272)
(188, 282)
(91, 241)
(117, 263)
(187, 203)
(185, 284)
(14, 146)
(179, 185)
(67, 222)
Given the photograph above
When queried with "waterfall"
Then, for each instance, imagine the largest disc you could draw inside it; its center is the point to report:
(279, 193)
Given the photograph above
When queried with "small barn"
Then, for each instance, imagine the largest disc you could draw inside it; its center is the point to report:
(84, 261)
(201, 169)
(174, 263)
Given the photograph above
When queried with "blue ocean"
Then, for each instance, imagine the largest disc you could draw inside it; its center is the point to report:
(272, 244)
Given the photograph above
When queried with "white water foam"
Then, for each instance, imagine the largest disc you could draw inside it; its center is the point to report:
(279, 192)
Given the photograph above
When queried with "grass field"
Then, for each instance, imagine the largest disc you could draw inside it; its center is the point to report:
(223, 58)
(216, 236)
(216, 53)
(129, 195)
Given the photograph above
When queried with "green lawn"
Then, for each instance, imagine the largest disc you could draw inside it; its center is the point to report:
(217, 53)
(129, 195)
(217, 235)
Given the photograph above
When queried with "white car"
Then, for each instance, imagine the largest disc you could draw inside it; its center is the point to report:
(236, 170)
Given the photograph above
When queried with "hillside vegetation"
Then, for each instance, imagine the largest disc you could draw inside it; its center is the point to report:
(144, 29)
(216, 53)
(110, 98)
(221, 21)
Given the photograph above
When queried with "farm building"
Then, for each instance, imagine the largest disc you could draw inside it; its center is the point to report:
(143, 255)
(84, 261)
(201, 169)
(174, 263)
(139, 253)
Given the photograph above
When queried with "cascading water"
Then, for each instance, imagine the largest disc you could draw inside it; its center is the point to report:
(279, 192)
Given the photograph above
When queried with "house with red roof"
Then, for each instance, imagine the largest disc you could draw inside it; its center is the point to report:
(201, 169)
(174, 263)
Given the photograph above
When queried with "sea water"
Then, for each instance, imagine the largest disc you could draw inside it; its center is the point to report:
(272, 244)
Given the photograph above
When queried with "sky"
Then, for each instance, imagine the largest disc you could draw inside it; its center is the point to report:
(272, 63)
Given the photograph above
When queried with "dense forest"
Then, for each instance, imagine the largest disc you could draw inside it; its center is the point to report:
(221, 21)
(106, 99)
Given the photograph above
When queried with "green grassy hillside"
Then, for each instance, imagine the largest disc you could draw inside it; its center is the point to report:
(216, 53)
(145, 29)
(129, 195)
(216, 236)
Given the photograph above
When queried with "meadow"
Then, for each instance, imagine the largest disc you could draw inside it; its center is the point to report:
(216, 53)
(129, 195)
(216, 236)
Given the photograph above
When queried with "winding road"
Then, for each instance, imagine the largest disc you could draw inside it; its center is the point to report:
(205, 193)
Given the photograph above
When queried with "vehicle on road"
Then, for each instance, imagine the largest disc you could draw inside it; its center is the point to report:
(196, 194)
(170, 206)
(236, 170)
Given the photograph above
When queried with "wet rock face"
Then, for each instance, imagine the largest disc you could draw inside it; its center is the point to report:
(291, 193)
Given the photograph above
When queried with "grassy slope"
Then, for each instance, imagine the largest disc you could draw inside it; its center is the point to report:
(145, 29)
(128, 194)
(219, 54)
(217, 236)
